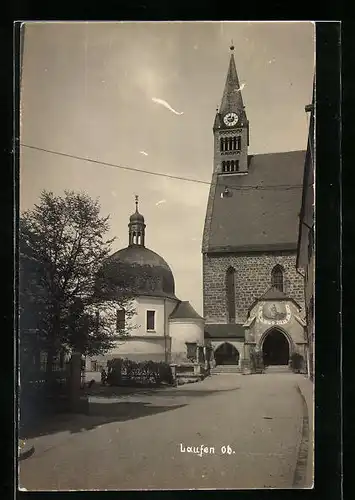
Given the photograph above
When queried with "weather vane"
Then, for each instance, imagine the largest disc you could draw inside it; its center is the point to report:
(232, 45)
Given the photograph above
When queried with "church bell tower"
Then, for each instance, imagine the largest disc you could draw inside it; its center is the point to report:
(231, 127)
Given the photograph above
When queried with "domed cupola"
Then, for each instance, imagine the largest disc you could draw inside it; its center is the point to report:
(138, 266)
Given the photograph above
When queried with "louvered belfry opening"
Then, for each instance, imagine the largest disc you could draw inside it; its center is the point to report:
(230, 166)
(230, 143)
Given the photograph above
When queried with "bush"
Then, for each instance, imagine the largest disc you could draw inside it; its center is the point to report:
(127, 372)
(296, 362)
(256, 362)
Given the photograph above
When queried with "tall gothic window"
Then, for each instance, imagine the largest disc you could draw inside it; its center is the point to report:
(277, 278)
(230, 292)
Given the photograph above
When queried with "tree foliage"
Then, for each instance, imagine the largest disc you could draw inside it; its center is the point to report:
(63, 249)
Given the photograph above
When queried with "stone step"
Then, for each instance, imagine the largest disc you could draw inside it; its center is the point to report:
(277, 369)
(225, 369)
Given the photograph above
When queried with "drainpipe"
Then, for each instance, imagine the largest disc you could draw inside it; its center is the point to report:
(165, 332)
(307, 333)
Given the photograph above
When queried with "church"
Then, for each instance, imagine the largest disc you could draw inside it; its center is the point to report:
(162, 327)
(253, 295)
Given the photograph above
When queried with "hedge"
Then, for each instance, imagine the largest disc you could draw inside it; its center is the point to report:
(127, 372)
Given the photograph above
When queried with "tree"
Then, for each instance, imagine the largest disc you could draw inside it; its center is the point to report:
(62, 252)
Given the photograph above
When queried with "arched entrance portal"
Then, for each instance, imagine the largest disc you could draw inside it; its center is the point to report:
(226, 354)
(276, 349)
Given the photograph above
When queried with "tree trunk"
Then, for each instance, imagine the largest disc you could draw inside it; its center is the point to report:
(52, 345)
(49, 364)
(77, 403)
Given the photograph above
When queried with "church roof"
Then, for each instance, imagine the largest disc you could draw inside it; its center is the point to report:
(274, 294)
(136, 217)
(224, 331)
(146, 271)
(184, 310)
(136, 269)
(257, 218)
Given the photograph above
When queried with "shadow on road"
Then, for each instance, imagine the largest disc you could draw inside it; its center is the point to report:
(99, 414)
(114, 392)
(106, 405)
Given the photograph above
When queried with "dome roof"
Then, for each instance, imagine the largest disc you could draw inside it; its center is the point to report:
(143, 269)
(136, 269)
(136, 217)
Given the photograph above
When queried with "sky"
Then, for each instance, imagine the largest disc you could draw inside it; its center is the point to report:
(94, 90)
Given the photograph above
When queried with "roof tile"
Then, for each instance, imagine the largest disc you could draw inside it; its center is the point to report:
(257, 217)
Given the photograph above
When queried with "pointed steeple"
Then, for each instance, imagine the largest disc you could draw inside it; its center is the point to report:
(231, 127)
(232, 100)
(136, 227)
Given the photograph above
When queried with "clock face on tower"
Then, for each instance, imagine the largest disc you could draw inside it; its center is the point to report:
(230, 119)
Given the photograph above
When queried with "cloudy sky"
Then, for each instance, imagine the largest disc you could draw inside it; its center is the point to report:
(92, 90)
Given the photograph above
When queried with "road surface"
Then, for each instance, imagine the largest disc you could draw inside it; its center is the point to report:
(229, 431)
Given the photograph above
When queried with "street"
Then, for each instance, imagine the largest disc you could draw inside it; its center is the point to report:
(229, 431)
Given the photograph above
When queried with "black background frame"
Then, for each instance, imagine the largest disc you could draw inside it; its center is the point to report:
(329, 221)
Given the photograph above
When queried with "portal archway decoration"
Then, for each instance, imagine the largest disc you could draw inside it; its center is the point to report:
(274, 313)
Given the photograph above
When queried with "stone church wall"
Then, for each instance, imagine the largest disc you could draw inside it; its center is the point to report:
(252, 279)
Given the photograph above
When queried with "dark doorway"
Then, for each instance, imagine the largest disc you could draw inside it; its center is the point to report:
(226, 354)
(276, 350)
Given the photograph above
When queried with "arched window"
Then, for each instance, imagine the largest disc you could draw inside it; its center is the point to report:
(277, 278)
(230, 292)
